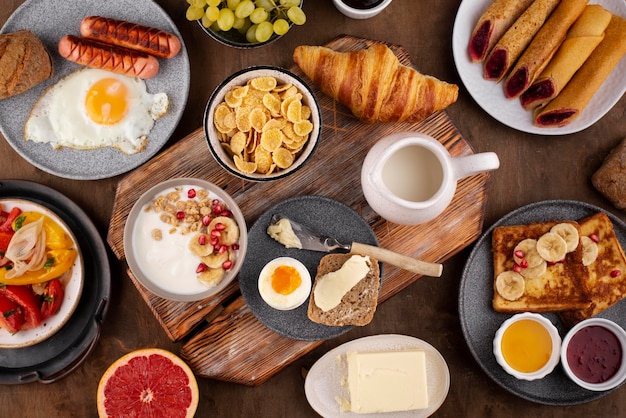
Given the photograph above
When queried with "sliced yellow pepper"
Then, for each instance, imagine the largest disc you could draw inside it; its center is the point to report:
(56, 237)
(63, 261)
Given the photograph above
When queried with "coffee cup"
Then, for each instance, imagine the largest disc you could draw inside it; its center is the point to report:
(410, 178)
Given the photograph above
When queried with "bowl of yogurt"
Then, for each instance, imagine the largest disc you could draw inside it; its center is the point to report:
(185, 239)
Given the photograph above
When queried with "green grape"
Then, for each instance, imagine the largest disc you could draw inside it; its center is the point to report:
(212, 13)
(251, 34)
(194, 13)
(213, 3)
(266, 4)
(232, 4)
(259, 15)
(289, 3)
(281, 26)
(264, 31)
(245, 27)
(296, 15)
(244, 9)
(239, 22)
(198, 3)
(206, 22)
(226, 19)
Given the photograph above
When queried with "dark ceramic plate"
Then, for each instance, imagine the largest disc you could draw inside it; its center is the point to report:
(480, 322)
(321, 214)
(60, 354)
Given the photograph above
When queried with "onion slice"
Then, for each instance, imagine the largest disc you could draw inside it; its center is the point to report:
(27, 249)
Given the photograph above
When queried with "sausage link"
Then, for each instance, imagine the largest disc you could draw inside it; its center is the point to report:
(131, 35)
(108, 57)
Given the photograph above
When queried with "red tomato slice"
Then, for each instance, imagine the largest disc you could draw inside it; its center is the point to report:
(7, 224)
(5, 238)
(11, 315)
(52, 298)
(24, 296)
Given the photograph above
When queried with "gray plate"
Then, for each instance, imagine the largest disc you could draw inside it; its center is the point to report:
(53, 19)
(480, 322)
(321, 214)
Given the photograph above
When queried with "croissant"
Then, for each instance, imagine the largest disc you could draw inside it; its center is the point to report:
(373, 84)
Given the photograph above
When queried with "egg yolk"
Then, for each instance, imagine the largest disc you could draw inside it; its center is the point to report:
(107, 101)
(285, 279)
(526, 345)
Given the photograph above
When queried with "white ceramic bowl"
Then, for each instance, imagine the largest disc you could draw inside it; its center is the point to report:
(556, 347)
(356, 13)
(167, 268)
(240, 78)
(619, 376)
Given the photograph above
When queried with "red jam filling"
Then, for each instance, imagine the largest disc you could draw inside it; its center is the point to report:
(516, 83)
(555, 118)
(594, 354)
(494, 67)
(478, 43)
(537, 91)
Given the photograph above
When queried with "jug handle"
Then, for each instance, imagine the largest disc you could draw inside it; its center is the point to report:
(474, 164)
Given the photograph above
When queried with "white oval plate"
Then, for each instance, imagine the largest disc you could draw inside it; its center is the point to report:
(323, 382)
(73, 288)
(490, 96)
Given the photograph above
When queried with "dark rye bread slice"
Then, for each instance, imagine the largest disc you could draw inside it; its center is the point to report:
(358, 305)
(24, 63)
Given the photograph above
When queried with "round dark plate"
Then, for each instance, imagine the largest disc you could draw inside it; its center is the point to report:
(321, 214)
(480, 322)
(54, 358)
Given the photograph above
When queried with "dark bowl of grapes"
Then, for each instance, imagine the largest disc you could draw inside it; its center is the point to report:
(246, 23)
(361, 9)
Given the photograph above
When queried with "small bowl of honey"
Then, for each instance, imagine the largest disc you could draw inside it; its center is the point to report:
(527, 346)
(593, 354)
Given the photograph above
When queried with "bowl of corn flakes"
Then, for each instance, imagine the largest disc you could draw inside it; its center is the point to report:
(262, 123)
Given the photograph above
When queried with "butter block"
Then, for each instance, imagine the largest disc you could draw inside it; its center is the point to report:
(387, 381)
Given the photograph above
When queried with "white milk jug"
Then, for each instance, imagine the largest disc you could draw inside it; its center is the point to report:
(410, 178)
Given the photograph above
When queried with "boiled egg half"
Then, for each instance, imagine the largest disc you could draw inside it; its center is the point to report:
(284, 283)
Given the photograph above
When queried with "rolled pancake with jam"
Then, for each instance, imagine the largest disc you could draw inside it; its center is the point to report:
(584, 36)
(543, 46)
(568, 105)
(493, 23)
(513, 43)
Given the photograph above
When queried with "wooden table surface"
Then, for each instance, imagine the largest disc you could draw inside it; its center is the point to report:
(533, 168)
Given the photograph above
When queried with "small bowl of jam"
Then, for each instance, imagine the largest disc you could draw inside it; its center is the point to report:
(593, 354)
(361, 9)
(527, 346)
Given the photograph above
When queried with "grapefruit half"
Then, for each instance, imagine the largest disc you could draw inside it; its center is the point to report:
(148, 382)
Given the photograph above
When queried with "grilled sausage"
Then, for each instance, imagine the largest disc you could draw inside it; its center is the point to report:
(108, 57)
(146, 39)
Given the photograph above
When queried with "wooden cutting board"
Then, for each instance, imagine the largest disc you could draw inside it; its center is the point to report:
(228, 342)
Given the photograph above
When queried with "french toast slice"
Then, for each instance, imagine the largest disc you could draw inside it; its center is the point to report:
(607, 274)
(563, 285)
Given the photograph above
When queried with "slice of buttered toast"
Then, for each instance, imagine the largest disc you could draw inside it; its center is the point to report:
(607, 270)
(539, 268)
(357, 305)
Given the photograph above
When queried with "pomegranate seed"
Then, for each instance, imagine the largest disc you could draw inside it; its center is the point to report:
(226, 212)
(217, 209)
(519, 254)
(216, 248)
(202, 239)
(517, 268)
(215, 202)
(201, 267)
(524, 263)
(223, 249)
(220, 226)
(595, 238)
(206, 219)
(227, 264)
(235, 246)
(616, 273)
(216, 233)
(215, 241)
(191, 193)
(180, 215)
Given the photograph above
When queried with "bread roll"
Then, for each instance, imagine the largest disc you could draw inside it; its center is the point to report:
(584, 36)
(24, 63)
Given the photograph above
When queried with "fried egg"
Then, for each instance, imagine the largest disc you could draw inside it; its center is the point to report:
(284, 283)
(92, 108)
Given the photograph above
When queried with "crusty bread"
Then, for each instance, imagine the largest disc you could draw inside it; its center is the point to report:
(357, 307)
(607, 274)
(561, 287)
(610, 178)
(24, 63)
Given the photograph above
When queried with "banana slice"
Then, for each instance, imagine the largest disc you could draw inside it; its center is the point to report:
(590, 250)
(526, 250)
(229, 231)
(569, 233)
(510, 285)
(551, 247)
(535, 272)
(211, 277)
(215, 260)
(201, 250)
